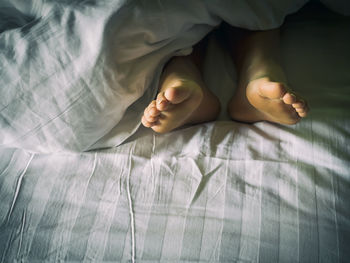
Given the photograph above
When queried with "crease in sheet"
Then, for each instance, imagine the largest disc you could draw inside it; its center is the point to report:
(131, 212)
(93, 169)
(13, 157)
(335, 218)
(152, 162)
(18, 187)
(260, 214)
(21, 233)
(7, 248)
(217, 191)
(316, 214)
(297, 196)
(224, 210)
(203, 182)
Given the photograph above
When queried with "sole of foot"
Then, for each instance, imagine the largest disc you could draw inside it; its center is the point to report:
(265, 100)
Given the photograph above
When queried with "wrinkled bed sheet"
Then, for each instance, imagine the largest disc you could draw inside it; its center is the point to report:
(218, 192)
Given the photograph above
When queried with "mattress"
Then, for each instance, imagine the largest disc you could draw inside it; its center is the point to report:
(222, 191)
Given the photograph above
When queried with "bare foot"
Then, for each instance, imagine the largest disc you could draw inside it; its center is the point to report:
(182, 98)
(265, 100)
(261, 94)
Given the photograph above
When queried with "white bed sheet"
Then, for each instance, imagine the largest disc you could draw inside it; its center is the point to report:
(216, 192)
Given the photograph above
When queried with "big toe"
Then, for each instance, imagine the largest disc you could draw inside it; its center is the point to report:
(271, 90)
(178, 93)
(289, 98)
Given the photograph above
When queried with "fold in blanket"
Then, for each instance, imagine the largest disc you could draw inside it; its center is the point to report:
(76, 75)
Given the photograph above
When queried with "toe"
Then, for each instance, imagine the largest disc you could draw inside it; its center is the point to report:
(271, 90)
(152, 109)
(289, 98)
(303, 114)
(146, 123)
(151, 113)
(151, 118)
(300, 110)
(161, 102)
(179, 93)
(152, 104)
(298, 104)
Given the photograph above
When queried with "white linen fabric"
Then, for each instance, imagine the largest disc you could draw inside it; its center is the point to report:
(76, 75)
(216, 192)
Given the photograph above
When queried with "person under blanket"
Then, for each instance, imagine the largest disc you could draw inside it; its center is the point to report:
(262, 93)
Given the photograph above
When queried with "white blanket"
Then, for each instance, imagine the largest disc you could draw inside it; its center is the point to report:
(77, 75)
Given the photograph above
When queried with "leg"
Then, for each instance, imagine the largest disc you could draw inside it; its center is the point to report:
(262, 93)
(183, 97)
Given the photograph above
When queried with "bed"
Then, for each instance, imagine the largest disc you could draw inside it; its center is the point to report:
(222, 191)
